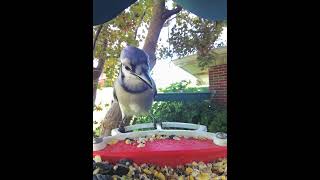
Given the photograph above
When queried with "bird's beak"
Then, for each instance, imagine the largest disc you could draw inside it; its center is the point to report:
(145, 77)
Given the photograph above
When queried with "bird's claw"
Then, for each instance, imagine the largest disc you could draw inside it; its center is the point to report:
(122, 129)
(154, 124)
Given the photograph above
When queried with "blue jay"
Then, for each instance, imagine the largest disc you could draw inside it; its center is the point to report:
(134, 88)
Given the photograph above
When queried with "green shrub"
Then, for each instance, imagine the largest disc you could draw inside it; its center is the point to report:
(183, 87)
(219, 122)
(200, 112)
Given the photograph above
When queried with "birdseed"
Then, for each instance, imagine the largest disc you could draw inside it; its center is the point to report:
(128, 170)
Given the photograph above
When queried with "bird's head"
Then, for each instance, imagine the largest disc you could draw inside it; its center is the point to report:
(135, 65)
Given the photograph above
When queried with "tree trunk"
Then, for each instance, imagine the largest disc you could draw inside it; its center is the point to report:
(159, 15)
(96, 74)
(99, 69)
(111, 120)
(156, 23)
(96, 71)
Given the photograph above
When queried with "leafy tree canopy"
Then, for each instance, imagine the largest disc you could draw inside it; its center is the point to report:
(193, 35)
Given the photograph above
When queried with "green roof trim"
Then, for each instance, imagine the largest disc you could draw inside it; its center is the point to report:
(183, 96)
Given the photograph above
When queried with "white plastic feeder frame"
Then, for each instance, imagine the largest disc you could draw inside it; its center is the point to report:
(196, 130)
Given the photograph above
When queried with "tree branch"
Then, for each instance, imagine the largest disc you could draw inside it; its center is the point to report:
(96, 36)
(171, 12)
(172, 18)
(98, 70)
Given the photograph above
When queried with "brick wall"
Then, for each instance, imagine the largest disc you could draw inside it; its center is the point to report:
(218, 83)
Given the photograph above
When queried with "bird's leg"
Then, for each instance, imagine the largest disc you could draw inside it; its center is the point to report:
(160, 123)
(155, 121)
(121, 126)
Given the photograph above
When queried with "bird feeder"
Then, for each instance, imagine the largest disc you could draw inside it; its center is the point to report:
(104, 11)
(192, 143)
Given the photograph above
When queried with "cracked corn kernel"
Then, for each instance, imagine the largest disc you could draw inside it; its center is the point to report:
(159, 175)
(176, 138)
(147, 171)
(113, 142)
(204, 176)
(189, 170)
(97, 158)
(128, 141)
(96, 171)
(141, 145)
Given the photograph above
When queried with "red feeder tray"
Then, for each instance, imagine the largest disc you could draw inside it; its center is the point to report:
(164, 152)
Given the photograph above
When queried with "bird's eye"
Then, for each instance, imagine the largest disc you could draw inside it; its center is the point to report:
(127, 68)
